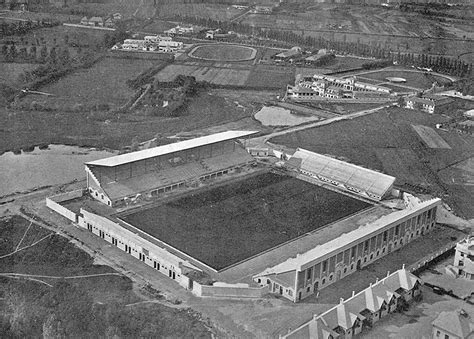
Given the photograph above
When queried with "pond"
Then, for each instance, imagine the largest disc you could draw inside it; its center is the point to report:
(278, 116)
(58, 164)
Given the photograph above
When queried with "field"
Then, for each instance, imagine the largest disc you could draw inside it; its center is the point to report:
(271, 77)
(414, 79)
(226, 225)
(212, 11)
(85, 128)
(386, 141)
(223, 52)
(11, 71)
(373, 25)
(103, 83)
(430, 137)
(258, 76)
(218, 76)
(91, 306)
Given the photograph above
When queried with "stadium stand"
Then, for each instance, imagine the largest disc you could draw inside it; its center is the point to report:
(356, 179)
(153, 171)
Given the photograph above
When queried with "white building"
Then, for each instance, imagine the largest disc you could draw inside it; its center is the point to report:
(350, 317)
(326, 86)
(464, 258)
(457, 324)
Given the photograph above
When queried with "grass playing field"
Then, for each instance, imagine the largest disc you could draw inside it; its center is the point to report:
(223, 52)
(228, 224)
(413, 78)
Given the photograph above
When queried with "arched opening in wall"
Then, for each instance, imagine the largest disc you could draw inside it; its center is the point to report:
(359, 262)
(316, 286)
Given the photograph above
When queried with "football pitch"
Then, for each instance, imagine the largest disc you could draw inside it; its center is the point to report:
(225, 225)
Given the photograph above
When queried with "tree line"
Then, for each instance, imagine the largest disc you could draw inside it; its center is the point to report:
(438, 63)
(23, 27)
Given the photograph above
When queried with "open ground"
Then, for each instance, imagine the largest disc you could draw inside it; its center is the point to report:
(430, 137)
(102, 84)
(48, 285)
(386, 141)
(228, 224)
(415, 79)
(228, 74)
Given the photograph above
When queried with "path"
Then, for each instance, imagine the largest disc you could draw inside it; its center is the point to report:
(308, 110)
(240, 16)
(264, 139)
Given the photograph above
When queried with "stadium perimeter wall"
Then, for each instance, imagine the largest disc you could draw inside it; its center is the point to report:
(53, 203)
(147, 252)
(229, 291)
(160, 259)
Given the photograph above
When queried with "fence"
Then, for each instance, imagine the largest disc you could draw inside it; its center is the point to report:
(53, 203)
(422, 263)
(228, 291)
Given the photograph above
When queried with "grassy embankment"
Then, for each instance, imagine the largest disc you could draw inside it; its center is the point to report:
(83, 307)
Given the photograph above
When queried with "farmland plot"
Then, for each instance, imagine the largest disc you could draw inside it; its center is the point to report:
(218, 76)
(430, 137)
(104, 83)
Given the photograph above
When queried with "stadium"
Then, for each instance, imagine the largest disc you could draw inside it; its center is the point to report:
(208, 215)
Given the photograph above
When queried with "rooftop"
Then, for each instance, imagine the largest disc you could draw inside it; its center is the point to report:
(459, 323)
(345, 239)
(345, 173)
(170, 148)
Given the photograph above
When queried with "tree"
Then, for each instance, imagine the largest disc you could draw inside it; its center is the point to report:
(23, 54)
(52, 56)
(13, 52)
(64, 56)
(32, 53)
(43, 53)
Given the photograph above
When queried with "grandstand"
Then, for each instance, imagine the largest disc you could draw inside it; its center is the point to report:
(120, 179)
(355, 179)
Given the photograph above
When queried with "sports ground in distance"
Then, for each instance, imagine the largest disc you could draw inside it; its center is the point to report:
(225, 225)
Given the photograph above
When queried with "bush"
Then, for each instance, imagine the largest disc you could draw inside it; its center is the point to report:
(377, 64)
(36, 106)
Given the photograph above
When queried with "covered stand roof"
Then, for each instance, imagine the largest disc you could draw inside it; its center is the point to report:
(170, 148)
(344, 173)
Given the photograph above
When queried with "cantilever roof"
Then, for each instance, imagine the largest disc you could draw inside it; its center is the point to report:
(345, 173)
(170, 148)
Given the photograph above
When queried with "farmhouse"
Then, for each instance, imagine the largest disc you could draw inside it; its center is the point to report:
(96, 21)
(324, 86)
(286, 55)
(262, 9)
(179, 30)
(124, 178)
(218, 34)
(152, 43)
(350, 317)
(428, 103)
(133, 44)
(464, 258)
